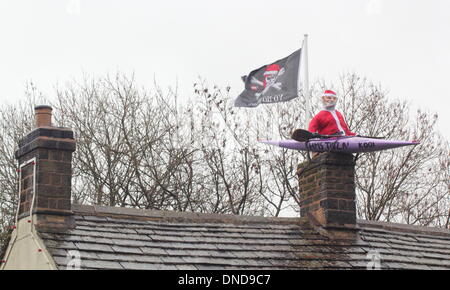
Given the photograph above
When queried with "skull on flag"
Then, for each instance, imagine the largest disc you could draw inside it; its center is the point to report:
(271, 74)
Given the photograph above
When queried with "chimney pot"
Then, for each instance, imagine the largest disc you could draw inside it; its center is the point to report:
(43, 115)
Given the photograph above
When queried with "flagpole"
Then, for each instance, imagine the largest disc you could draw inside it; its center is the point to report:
(306, 81)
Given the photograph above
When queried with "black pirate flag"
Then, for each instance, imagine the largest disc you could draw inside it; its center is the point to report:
(276, 82)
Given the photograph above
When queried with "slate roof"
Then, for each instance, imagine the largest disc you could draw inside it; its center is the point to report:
(120, 238)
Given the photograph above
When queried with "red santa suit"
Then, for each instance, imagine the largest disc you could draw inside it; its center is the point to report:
(329, 122)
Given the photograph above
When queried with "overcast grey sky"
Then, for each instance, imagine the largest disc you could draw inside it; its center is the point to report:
(402, 44)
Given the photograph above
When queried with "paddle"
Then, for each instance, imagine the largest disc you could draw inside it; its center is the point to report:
(304, 135)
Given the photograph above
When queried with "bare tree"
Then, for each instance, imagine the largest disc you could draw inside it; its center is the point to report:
(151, 149)
(122, 137)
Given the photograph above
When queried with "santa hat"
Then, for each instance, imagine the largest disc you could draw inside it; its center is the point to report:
(329, 93)
(272, 69)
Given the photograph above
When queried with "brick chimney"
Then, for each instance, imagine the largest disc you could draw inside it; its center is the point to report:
(45, 169)
(327, 190)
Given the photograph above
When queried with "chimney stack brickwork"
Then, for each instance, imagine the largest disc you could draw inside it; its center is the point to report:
(52, 147)
(327, 189)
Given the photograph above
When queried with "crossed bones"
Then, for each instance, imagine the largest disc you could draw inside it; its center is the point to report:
(270, 84)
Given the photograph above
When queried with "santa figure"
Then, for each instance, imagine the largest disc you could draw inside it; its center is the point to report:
(329, 121)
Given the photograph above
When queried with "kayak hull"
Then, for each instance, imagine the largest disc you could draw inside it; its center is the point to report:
(347, 144)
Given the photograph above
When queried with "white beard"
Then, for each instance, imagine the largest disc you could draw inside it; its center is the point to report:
(329, 105)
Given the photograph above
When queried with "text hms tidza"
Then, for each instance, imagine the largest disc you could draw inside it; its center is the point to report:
(237, 279)
(333, 145)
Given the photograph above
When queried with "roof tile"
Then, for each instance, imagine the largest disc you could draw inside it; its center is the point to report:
(128, 250)
(138, 266)
(130, 242)
(186, 267)
(153, 251)
(108, 265)
(172, 260)
(93, 247)
(115, 257)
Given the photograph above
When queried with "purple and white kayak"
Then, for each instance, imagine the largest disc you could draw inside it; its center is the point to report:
(348, 144)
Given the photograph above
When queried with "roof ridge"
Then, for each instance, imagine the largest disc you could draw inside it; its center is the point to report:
(151, 214)
(404, 228)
